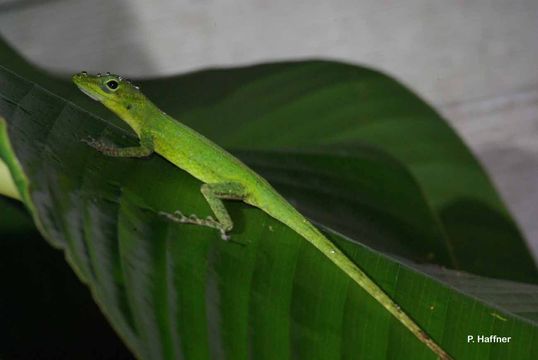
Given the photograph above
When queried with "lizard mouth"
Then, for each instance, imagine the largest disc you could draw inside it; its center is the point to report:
(90, 94)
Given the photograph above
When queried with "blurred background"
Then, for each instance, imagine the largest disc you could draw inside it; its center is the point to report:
(475, 61)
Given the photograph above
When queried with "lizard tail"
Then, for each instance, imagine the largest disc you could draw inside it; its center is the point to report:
(306, 229)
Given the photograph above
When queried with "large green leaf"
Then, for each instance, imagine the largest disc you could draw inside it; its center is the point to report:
(308, 104)
(179, 291)
(342, 107)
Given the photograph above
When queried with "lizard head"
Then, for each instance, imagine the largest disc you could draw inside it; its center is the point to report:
(112, 90)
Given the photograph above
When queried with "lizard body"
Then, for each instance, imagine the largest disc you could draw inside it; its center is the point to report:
(224, 177)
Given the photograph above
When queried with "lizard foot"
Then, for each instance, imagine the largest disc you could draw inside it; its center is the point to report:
(97, 144)
(179, 217)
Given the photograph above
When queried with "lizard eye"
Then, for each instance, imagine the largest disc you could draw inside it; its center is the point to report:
(112, 84)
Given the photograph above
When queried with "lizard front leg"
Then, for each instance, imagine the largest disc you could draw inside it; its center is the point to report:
(145, 148)
(214, 194)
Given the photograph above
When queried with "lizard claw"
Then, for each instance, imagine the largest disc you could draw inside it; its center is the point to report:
(88, 140)
(224, 236)
(96, 144)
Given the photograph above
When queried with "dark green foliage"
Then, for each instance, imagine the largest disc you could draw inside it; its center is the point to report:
(351, 148)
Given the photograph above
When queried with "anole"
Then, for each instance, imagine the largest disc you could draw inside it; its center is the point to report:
(224, 177)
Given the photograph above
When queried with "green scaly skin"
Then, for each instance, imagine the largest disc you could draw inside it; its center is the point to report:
(223, 175)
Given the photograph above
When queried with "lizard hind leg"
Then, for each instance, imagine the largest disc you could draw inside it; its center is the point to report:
(214, 194)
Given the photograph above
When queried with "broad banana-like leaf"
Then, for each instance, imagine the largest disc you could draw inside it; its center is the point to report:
(352, 149)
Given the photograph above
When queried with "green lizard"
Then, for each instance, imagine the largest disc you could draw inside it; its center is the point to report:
(223, 175)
